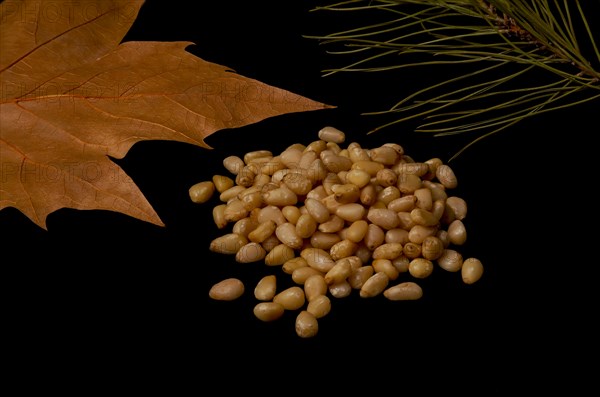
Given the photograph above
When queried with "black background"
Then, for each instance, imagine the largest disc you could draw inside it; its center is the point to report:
(102, 297)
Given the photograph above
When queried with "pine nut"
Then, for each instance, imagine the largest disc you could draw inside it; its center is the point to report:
(404, 291)
(227, 290)
(265, 289)
(471, 270)
(291, 298)
(319, 306)
(307, 325)
(251, 252)
(202, 192)
(314, 286)
(268, 311)
(420, 268)
(374, 285)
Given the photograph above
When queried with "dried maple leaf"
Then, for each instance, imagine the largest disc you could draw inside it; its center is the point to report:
(72, 96)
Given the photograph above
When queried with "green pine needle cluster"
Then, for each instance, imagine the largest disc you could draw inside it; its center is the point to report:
(509, 59)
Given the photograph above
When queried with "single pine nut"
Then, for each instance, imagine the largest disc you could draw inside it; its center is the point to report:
(384, 155)
(273, 213)
(358, 177)
(404, 292)
(458, 206)
(433, 165)
(219, 216)
(317, 146)
(385, 266)
(291, 213)
(324, 240)
(228, 244)
(356, 153)
(446, 176)
(306, 226)
(357, 231)
(334, 162)
(286, 233)
(251, 252)
(420, 268)
(314, 286)
(374, 237)
(384, 218)
(424, 199)
(438, 191)
(201, 192)
(291, 298)
(418, 233)
(272, 166)
(222, 182)
(280, 197)
(235, 210)
(388, 194)
(233, 164)
(403, 204)
(251, 156)
(438, 208)
(298, 183)
(342, 249)
(340, 290)
(231, 193)
(358, 278)
(279, 255)
(423, 217)
(331, 134)
(401, 263)
(368, 195)
(443, 235)
(318, 258)
(292, 264)
(457, 233)
(245, 226)
(262, 231)
(227, 290)
(411, 250)
(370, 167)
(346, 193)
(364, 253)
(307, 325)
(271, 242)
(408, 183)
(291, 157)
(388, 251)
(396, 236)
(405, 221)
(319, 306)
(251, 198)
(317, 210)
(338, 273)
(432, 248)
(374, 285)
(350, 212)
(268, 311)
(246, 176)
(301, 274)
(418, 169)
(471, 270)
(450, 260)
(386, 177)
(266, 288)
(333, 225)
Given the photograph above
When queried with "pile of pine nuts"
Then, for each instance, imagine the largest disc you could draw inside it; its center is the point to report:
(336, 220)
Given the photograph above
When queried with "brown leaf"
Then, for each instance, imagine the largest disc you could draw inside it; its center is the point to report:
(72, 95)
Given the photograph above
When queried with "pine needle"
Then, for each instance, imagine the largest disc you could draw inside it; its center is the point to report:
(511, 59)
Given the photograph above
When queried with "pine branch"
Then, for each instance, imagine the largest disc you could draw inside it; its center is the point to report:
(512, 59)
